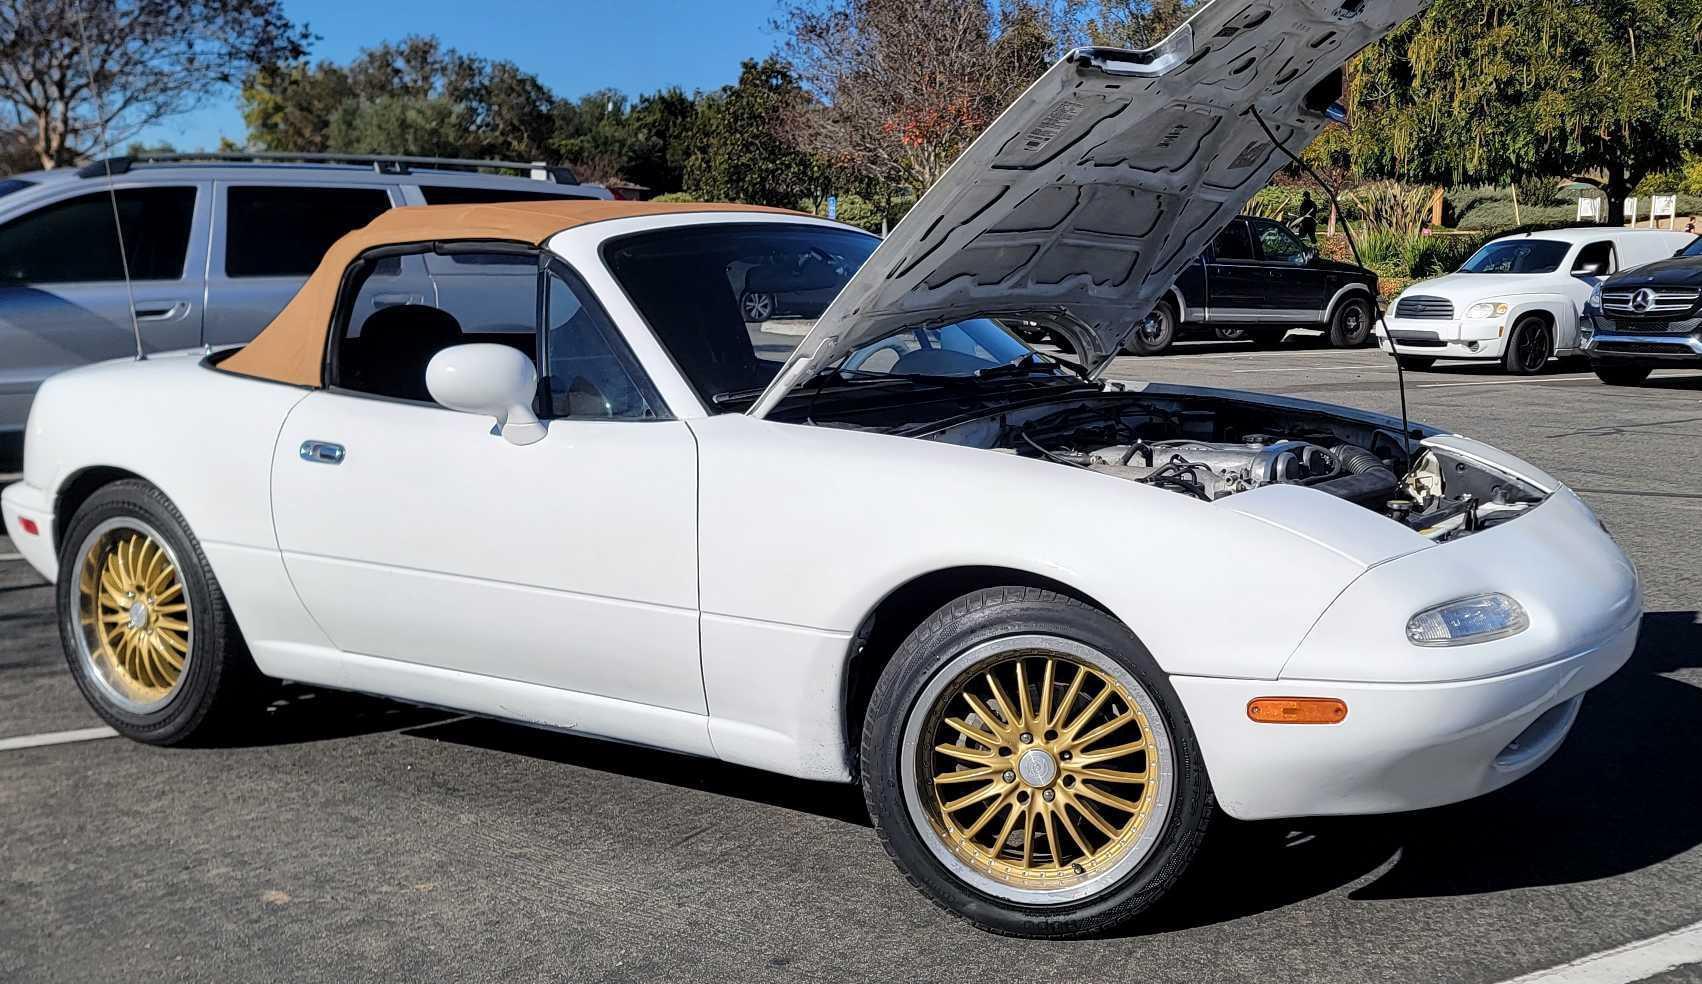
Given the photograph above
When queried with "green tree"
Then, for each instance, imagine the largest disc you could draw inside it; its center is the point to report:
(594, 132)
(740, 153)
(1504, 90)
(1138, 23)
(662, 126)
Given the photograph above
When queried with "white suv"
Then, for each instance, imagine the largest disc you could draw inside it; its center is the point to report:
(1518, 299)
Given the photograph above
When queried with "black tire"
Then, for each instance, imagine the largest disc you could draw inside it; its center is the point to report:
(757, 306)
(1230, 334)
(1156, 333)
(1622, 375)
(217, 680)
(1350, 325)
(1415, 363)
(1529, 346)
(956, 632)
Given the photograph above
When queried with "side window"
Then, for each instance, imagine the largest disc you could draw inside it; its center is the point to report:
(591, 374)
(1595, 259)
(394, 317)
(285, 231)
(1232, 243)
(1278, 245)
(75, 241)
(458, 195)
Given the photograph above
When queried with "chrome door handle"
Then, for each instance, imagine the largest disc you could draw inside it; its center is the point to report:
(392, 300)
(322, 452)
(168, 312)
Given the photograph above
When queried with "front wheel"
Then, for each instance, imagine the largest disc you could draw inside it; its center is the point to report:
(1529, 346)
(1622, 375)
(1351, 323)
(146, 631)
(757, 306)
(1156, 333)
(1029, 768)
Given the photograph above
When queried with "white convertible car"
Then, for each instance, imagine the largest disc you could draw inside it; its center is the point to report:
(1051, 624)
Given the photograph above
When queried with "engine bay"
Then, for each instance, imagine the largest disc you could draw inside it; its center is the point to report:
(1209, 449)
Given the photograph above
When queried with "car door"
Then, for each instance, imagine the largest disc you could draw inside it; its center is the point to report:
(428, 539)
(1595, 261)
(1236, 284)
(1295, 290)
(267, 237)
(64, 300)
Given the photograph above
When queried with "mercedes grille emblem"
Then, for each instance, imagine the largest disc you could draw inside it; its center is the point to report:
(1643, 300)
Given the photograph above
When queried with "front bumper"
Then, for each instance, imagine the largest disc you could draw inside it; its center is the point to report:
(1609, 343)
(1460, 338)
(21, 501)
(1427, 727)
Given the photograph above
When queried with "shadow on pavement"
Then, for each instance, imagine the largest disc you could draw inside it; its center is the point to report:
(835, 801)
(1623, 793)
(297, 714)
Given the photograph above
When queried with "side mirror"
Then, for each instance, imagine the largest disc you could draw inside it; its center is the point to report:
(1591, 270)
(492, 381)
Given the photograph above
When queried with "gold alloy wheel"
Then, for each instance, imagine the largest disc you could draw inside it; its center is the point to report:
(1039, 771)
(133, 613)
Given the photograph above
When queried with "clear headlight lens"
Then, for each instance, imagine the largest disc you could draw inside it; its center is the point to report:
(1479, 618)
(1595, 301)
(1487, 309)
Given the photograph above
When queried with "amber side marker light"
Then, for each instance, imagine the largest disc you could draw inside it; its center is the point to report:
(1296, 710)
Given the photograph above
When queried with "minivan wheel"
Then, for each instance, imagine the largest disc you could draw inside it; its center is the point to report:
(145, 628)
(1351, 323)
(1030, 769)
(1622, 375)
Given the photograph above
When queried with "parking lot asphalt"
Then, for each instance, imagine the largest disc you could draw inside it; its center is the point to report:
(355, 839)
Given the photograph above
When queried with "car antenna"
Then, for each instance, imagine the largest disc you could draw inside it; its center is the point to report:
(111, 188)
(1347, 228)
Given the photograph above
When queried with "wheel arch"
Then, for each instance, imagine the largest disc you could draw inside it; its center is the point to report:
(1353, 289)
(885, 627)
(78, 488)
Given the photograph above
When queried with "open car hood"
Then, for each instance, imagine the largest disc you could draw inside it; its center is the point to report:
(1083, 200)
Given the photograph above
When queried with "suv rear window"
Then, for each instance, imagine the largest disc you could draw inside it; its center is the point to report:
(459, 195)
(75, 241)
(285, 231)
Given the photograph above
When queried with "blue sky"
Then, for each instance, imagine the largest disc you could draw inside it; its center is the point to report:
(574, 46)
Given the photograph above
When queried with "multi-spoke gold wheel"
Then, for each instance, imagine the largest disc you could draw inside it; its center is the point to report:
(133, 614)
(1039, 767)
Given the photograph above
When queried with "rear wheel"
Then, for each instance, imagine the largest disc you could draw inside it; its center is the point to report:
(1351, 323)
(146, 631)
(1029, 767)
(1529, 346)
(1230, 334)
(1154, 334)
(757, 306)
(1622, 375)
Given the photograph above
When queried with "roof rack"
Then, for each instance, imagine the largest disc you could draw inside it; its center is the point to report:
(382, 163)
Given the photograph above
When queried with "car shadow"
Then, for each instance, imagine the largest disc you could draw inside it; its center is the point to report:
(836, 801)
(297, 714)
(1623, 793)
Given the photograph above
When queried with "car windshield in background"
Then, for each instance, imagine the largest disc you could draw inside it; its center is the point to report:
(1694, 249)
(9, 185)
(1519, 256)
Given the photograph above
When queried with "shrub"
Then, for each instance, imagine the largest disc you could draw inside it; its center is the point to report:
(674, 196)
(1540, 193)
(1390, 206)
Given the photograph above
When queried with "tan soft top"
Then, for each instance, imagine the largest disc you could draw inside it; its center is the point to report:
(292, 348)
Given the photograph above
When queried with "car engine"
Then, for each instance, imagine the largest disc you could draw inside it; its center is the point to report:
(1211, 470)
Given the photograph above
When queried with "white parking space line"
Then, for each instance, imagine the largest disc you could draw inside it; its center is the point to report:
(1314, 368)
(55, 738)
(11, 557)
(1624, 964)
(1511, 382)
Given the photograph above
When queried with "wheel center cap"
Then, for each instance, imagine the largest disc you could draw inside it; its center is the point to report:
(1037, 767)
(138, 615)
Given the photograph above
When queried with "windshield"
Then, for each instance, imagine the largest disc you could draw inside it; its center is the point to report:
(1694, 249)
(731, 302)
(1518, 256)
(9, 185)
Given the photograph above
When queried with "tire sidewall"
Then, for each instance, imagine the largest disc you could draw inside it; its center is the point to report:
(1511, 360)
(920, 658)
(203, 670)
(1139, 345)
(1338, 323)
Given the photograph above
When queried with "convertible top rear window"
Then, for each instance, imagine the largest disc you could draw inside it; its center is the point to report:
(731, 302)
